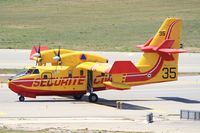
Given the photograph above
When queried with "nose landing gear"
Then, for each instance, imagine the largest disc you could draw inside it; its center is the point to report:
(21, 99)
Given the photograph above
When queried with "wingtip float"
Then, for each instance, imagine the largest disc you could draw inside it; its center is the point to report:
(77, 73)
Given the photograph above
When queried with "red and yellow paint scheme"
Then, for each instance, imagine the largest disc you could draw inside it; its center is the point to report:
(64, 72)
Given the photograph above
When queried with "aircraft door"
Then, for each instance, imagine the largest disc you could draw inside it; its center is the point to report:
(47, 79)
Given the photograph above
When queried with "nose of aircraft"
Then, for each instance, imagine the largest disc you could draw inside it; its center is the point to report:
(14, 86)
(11, 85)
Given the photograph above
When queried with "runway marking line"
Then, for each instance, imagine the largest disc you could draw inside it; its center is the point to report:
(64, 120)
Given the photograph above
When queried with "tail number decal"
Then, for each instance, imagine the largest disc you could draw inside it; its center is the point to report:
(161, 33)
(169, 73)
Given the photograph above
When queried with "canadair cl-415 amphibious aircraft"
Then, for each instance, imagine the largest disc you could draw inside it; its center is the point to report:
(63, 72)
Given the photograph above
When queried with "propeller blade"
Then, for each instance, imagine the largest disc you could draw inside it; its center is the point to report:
(37, 52)
(35, 48)
(55, 53)
(39, 49)
(59, 51)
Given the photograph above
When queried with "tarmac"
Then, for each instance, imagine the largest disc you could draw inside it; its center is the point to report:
(164, 100)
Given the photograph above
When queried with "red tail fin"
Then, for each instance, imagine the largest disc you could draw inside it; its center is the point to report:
(120, 67)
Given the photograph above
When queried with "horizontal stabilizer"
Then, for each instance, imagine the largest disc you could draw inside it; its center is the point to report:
(120, 67)
(172, 51)
(164, 49)
(165, 44)
(116, 86)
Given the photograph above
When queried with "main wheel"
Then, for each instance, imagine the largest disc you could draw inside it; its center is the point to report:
(78, 97)
(93, 98)
(21, 98)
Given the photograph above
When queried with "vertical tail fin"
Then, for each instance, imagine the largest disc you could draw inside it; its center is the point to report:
(170, 29)
(164, 45)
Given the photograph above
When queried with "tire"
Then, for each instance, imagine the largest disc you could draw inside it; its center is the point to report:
(21, 99)
(78, 97)
(93, 98)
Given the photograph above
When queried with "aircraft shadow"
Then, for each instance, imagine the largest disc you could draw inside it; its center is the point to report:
(101, 101)
(179, 99)
(113, 103)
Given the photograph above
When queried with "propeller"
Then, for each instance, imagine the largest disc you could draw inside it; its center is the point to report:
(57, 57)
(37, 52)
(37, 55)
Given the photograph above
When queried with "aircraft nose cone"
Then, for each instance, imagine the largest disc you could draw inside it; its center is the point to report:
(10, 83)
(12, 86)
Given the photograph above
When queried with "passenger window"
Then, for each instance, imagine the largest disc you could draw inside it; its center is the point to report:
(81, 72)
(102, 74)
(69, 74)
(36, 71)
(45, 77)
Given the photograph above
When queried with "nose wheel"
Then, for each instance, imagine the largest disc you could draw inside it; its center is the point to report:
(21, 98)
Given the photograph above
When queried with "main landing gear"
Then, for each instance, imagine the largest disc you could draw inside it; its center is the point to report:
(93, 98)
(21, 99)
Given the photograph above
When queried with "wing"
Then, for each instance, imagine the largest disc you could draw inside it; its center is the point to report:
(93, 66)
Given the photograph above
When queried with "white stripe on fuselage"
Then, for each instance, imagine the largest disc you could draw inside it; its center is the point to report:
(145, 74)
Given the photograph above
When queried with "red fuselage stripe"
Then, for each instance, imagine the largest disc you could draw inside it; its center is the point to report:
(147, 75)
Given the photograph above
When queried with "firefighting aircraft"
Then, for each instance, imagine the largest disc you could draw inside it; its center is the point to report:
(63, 72)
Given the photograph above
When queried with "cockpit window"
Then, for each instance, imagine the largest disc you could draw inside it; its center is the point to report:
(21, 74)
(26, 72)
(36, 71)
(30, 71)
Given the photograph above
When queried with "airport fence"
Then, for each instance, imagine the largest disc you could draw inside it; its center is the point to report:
(190, 115)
